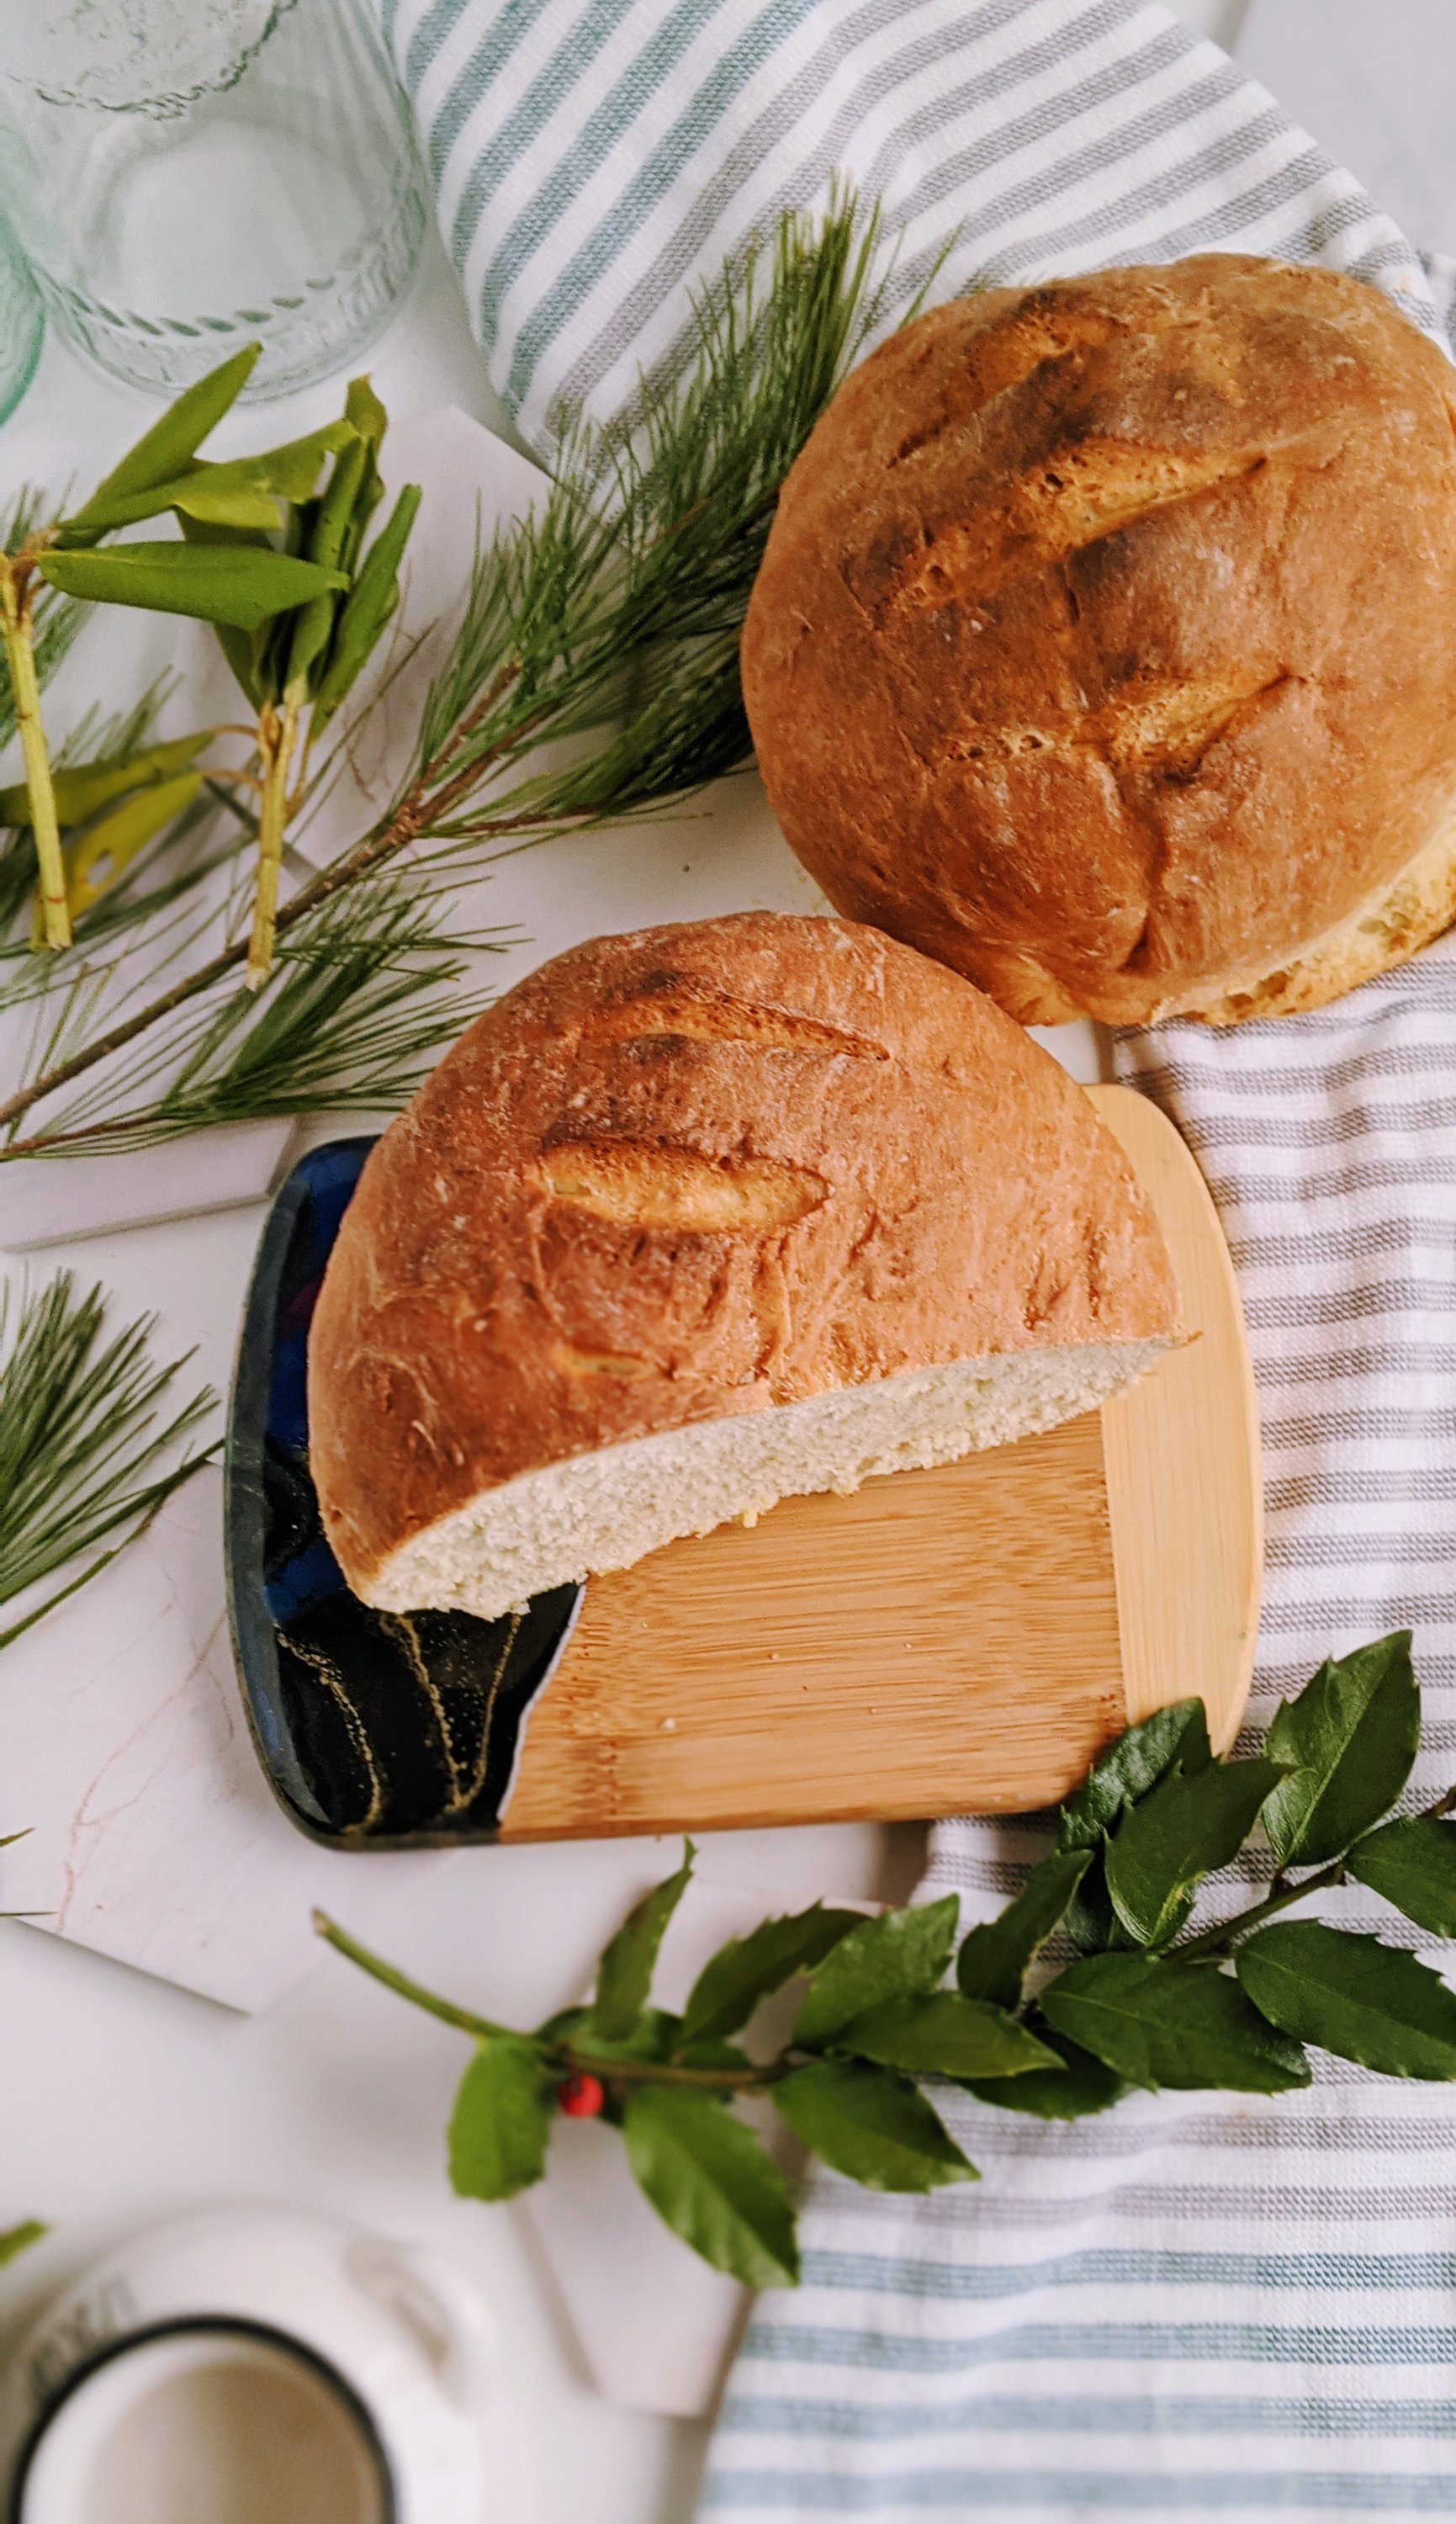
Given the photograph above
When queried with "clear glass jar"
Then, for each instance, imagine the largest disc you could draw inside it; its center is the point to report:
(187, 176)
(22, 323)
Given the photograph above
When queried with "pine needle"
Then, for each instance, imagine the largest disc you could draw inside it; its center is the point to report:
(82, 1434)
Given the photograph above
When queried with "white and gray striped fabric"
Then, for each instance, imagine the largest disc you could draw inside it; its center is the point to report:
(1189, 2306)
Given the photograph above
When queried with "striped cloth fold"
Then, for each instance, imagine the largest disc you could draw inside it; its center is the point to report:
(1190, 2306)
(595, 159)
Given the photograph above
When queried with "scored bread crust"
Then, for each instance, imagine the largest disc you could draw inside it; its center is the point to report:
(1104, 645)
(695, 1173)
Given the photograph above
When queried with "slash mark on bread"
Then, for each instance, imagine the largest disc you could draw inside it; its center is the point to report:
(631, 1182)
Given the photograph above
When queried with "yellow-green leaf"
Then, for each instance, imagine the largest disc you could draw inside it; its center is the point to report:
(97, 858)
(369, 604)
(233, 583)
(84, 789)
(169, 445)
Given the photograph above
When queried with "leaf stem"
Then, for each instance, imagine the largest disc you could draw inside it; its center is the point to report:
(1217, 1941)
(401, 1983)
(611, 2072)
(277, 733)
(672, 2072)
(19, 659)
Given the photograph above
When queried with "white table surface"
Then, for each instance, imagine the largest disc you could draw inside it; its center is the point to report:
(125, 2100)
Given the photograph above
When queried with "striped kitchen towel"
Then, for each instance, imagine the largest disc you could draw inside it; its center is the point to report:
(1189, 2306)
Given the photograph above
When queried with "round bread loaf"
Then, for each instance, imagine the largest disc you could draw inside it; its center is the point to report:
(696, 1219)
(1104, 645)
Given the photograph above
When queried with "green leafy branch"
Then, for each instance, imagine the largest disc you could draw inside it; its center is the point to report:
(1232, 2007)
(89, 1443)
(283, 576)
(594, 674)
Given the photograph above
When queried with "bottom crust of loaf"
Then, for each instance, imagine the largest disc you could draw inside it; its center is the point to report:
(1385, 930)
(607, 1510)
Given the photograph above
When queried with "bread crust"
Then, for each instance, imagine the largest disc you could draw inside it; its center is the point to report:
(697, 1171)
(1106, 642)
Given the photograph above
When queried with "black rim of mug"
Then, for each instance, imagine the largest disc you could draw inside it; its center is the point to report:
(230, 2326)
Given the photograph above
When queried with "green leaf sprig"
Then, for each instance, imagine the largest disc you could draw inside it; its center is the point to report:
(1232, 2008)
(281, 571)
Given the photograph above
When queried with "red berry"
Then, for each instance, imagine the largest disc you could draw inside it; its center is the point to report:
(581, 2096)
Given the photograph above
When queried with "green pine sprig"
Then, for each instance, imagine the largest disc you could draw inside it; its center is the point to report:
(90, 1445)
(1133, 2003)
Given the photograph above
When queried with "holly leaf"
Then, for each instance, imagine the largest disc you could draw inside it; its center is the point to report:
(1082, 2085)
(748, 1969)
(1353, 1996)
(1130, 1767)
(1171, 1839)
(239, 584)
(871, 2124)
(711, 2180)
(1348, 1742)
(902, 1953)
(992, 1960)
(18, 2239)
(1161, 2023)
(168, 446)
(502, 2120)
(945, 2035)
(624, 1974)
(1411, 1864)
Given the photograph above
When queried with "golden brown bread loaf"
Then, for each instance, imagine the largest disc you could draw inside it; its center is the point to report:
(1106, 642)
(697, 1218)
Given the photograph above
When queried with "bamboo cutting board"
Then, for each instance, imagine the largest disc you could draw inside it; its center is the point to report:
(962, 1640)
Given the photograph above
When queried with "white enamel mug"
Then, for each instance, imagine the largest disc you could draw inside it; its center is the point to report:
(252, 2364)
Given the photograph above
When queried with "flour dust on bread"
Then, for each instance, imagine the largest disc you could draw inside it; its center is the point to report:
(1106, 640)
(702, 1218)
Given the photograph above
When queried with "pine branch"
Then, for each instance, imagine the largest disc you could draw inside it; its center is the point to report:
(349, 1020)
(84, 1436)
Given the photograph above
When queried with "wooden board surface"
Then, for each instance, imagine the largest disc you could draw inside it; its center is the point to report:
(954, 1641)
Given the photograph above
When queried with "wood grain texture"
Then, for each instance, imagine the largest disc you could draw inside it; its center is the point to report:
(961, 1641)
(1182, 1449)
